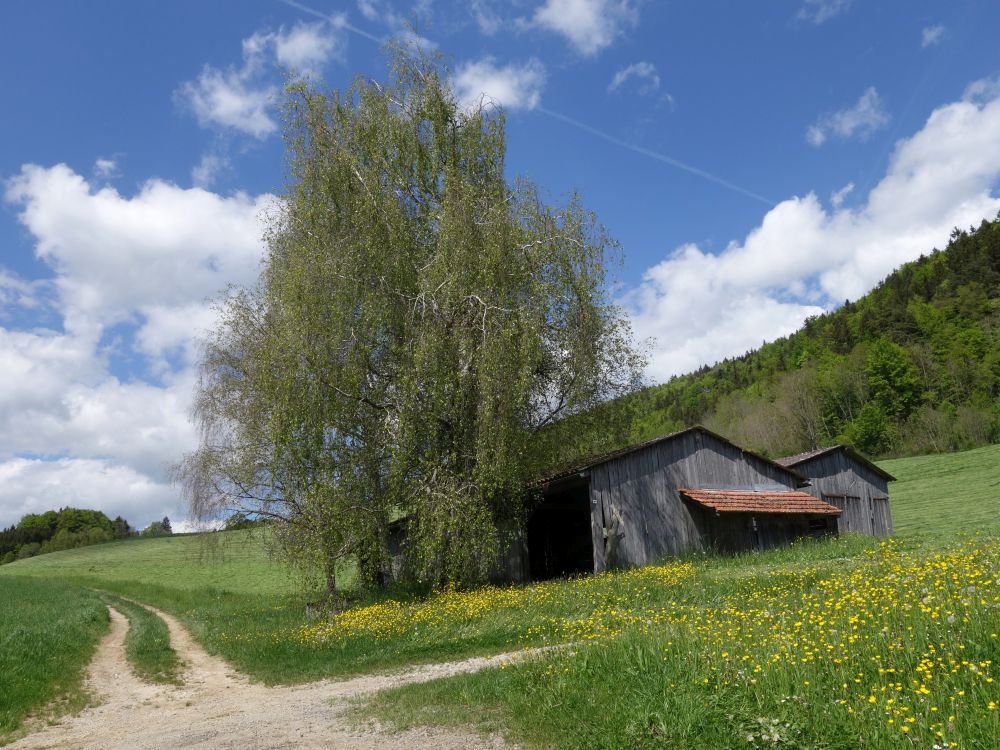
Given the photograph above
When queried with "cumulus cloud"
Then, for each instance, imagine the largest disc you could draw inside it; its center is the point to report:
(116, 255)
(241, 98)
(931, 36)
(866, 116)
(804, 258)
(821, 11)
(589, 25)
(511, 86)
(645, 74)
(131, 279)
(229, 99)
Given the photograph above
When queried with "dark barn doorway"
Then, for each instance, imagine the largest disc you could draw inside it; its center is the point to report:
(560, 542)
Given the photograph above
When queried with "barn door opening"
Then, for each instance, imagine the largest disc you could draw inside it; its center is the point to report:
(560, 540)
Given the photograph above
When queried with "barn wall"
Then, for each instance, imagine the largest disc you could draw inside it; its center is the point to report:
(733, 532)
(858, 491)
(634, 497)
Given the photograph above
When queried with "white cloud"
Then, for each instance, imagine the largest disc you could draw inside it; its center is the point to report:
(820, 11)
(105, 169)
(487, 19)
(838, 197)
(803, 258)
(866, 116)
(115, 255)
(589, 25)
(306, 47)
(240, 98)
(511, 86)
(645, 74)
(931, 36)
(35, 485)
(207, 171)
(18, 292)
(380, 11)
(229, 100)
(131, 277)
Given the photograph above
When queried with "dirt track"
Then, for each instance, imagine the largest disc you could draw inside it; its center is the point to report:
(218, 708)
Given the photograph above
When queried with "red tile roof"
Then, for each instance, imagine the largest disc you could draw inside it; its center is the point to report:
(747, 501)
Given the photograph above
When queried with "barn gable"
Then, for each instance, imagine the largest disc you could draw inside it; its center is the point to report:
(843, 477)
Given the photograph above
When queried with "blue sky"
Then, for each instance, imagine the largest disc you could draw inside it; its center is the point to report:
(759, 162)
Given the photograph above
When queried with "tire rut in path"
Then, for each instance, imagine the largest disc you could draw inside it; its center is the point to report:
(217, 707)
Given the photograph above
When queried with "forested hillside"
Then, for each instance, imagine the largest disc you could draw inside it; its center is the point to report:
(913, 367)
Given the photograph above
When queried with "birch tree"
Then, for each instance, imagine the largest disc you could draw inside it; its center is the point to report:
(422, 334)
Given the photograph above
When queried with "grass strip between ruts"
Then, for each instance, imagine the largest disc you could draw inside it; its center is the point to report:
(147, 645)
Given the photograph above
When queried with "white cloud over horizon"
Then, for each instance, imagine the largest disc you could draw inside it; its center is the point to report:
(805, 258)
(861, 120)
(132, 277)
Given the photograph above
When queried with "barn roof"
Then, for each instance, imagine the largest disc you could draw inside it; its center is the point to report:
(801, 458)
(567, 471)
(747, 501)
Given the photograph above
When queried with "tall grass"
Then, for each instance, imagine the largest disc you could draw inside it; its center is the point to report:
(48, 632)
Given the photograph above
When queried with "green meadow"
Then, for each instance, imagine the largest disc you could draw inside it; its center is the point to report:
(48, 631)
(944, 494)
(814, 645)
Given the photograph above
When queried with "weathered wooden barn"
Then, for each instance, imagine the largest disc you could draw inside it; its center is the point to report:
(841, 476)
(690, 489)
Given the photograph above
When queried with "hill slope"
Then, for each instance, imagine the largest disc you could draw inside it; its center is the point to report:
(942, 494)
(913, 367)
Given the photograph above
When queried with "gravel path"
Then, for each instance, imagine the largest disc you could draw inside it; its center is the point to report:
(218, 708)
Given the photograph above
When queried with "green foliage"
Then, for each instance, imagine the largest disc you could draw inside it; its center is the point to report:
(158, 528)
(48, 631)
(912, 367)
(51, 531)
(419, 325)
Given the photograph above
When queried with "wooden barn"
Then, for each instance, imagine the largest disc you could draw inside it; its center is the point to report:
(841, 476)
(690, 489)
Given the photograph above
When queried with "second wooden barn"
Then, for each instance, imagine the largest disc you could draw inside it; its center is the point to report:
(690, 489)
(843, 477)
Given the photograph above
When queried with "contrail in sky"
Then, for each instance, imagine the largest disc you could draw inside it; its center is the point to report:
(340, 21)
(655, 155)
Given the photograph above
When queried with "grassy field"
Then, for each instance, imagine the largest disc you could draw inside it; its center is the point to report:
(234, 561)
(947, 493)
(48, 631)
(783, 648)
